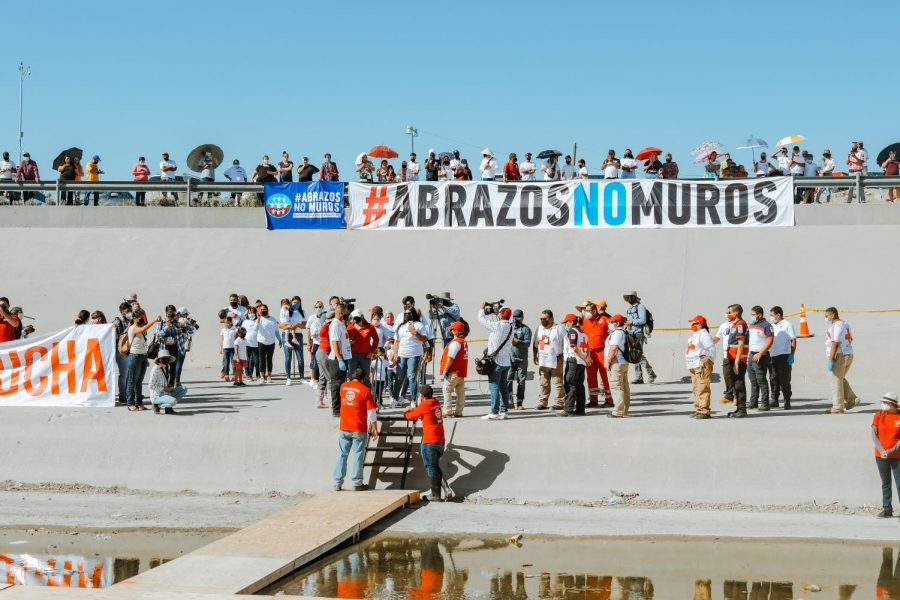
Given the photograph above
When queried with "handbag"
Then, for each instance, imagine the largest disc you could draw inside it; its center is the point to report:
(486, 363)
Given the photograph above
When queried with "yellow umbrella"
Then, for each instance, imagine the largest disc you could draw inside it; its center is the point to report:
(791, 139)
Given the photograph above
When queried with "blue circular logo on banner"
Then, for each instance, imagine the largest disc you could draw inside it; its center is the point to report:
(278, 205)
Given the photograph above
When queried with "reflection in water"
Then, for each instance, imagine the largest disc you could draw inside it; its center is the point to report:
(70, 571)
(461, 568)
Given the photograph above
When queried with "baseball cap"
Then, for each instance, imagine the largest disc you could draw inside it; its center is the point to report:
(518, 314)
(569, 317)
(96, 158)
(505, 314)
(698, 319)
(355, 314)
(617, 319)
(457, 326)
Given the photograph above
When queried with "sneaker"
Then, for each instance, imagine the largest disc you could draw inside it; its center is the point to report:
(637, 382)
(221, 375)
(738, 414)
(488, 417)
(156, 408)
(831, 411)
(360, 488)
(853, 404)
(393, 404)
(287, 382)
(337, 487)
(702, 416)
(885, 514)
(562, 413)
(614, 415)
(539, 407)
(502, 416)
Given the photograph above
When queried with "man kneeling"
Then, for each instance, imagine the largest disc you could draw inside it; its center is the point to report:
(358, 416)
(162, 395)
(429, 410)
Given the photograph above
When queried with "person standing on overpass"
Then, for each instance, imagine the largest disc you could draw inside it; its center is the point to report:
(639, 324)
(839, 352)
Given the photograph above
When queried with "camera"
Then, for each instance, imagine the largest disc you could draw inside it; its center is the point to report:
(493, 307)
(348, 303)
(433, 300)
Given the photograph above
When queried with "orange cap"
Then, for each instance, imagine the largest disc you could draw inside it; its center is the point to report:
(569, 317)
(618, 319)
(457, 326)
(699, 320)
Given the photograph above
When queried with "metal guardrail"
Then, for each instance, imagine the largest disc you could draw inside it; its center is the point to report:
(190, 187)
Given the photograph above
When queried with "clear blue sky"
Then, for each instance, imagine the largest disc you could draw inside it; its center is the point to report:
(123, 79)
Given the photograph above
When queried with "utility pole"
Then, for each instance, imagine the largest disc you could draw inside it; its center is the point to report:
(23, 73)
(413, 133)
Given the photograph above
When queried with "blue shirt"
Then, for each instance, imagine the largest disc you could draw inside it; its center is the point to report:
(637, 314)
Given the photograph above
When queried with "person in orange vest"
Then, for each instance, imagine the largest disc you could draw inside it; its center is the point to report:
(454, 368)
(429, 410)
(595, 326)
(359, 421)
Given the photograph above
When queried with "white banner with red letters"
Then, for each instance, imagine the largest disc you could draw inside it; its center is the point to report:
(579, 204)
(72, 367)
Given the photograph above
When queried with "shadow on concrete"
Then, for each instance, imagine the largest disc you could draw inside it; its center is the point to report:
(482, 468)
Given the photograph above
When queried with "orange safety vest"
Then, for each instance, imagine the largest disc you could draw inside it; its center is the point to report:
(596, 330)
(460, 363)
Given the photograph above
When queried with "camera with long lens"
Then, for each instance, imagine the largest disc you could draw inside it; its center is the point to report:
(493, 307)
(348, 303)
(434, 301)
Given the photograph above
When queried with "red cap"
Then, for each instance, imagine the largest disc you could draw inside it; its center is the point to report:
(699, 320)
(618, 319)
(457, 326)
(505, 314)
(569, 317)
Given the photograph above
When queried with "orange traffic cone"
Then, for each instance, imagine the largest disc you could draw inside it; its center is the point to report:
(804, 325)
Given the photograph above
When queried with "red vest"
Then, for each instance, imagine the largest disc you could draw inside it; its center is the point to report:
(460, 363)
(324, 341)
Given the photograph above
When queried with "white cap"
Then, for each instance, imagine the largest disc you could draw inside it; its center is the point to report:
(355, 314)
(487, 151)
(183, 310)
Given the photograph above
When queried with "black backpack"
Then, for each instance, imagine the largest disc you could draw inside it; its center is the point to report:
(634, 349)
(648, 327)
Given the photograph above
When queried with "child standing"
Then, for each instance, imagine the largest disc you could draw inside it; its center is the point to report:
(240, 356)
(226, 348)
(379, 375)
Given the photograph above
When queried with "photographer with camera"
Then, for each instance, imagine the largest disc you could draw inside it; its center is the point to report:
(497, 358)
(9, 322)
(445, 312)
(410, 343)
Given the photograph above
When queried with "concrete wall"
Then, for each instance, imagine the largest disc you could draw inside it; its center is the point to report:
(64, 259)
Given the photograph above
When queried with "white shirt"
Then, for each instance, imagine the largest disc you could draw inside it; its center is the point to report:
(610, 171)
(337, 334)
(167, 175)
(784, 333)
(811, 169)
(630, 163)
(236, 313)
(722, 334)
(240, 349)
(313, 327)
(550, 343)
(700, 346)
(839, 332)
(616, 338)
(761, 167)
(251, 326)
(488, 168)
(236, 173)
(550, 173)
(445, 173)
(580, 344)
(412, 171)
(286, 317)
(7, 170)
(500, 331)
(567, 172)
(527, 170)
(410, 346)
(827, 166)
(266, 330)
(784, 163)
(798, 169)
(863, 156)
(582, 173)
(227, 337)
(384, 334)
(380, 368)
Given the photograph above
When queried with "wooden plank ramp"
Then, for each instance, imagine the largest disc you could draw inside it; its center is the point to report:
(250, 559)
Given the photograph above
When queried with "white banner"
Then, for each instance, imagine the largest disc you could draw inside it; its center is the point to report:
(581, 204)
(72, 367)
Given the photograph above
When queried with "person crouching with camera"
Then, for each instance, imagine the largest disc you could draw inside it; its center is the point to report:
(498, 358)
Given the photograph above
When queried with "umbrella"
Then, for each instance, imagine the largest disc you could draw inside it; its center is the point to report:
(883, 155)
(195, 158)
(383, 152)
(752, 144)
(704, 156)
(647, 153)
(707, 147)
(71, 152)
(791, 139)
(549, 153)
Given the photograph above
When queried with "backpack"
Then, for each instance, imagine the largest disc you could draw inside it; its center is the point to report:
(648, 327)
(634, 349)
(124, 346)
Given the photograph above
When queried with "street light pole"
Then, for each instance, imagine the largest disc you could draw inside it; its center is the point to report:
(413, 133)
(23, 73)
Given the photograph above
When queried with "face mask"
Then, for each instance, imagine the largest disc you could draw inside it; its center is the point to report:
(252, 317)
(827, 319)
(319, 310)
(545, 322)
(518, 321)
(587, 314)
(264, 313)
(295, 306)
(772, 320)
(129, 315)
(886, 406)
(233, 304)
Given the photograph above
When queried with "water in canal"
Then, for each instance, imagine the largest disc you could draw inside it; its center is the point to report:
(454, 568)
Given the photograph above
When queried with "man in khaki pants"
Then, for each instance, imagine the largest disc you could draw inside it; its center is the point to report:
(617, 367)
(700, 357)
(839, 352)
(547, 347)
(454, 368)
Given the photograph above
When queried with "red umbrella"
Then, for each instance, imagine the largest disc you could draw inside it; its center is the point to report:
(383, 152)
(647, 153)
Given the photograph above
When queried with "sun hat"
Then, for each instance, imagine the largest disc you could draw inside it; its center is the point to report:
(164, 356)
(585, 304)
(891, 398)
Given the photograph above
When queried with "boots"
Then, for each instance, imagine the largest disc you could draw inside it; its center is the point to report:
(787, 404)
(436, 489)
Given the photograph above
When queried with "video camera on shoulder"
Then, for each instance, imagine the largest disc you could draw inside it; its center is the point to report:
(493, 307)
(349, 304)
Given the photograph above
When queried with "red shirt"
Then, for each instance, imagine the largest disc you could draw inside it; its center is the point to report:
(7, 332)
(356, 402)
(597, 330)
(511, 171)
(363, 338)
(888, 428)
(429, 410)
(324, 340)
